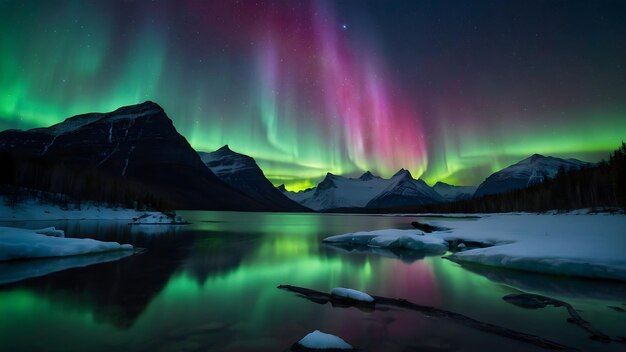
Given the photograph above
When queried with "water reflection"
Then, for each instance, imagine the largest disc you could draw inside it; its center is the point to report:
(212, 285)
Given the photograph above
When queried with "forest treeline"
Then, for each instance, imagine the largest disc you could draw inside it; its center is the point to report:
(25, 177)
(50, 182)
(599, 186)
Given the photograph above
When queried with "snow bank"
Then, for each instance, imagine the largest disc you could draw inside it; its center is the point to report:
(352, 294)
(32, 210)
(576, 245)
(23, 244)
(318, 340)
(401, 239)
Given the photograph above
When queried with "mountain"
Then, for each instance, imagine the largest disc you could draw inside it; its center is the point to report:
(453, 193)
(243, 174)
(404, 190)
(367, 191)
(532, 170)
(133, 149)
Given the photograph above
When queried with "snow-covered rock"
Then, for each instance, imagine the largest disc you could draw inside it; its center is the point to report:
(392, 238)
(16, 243)
(352, 294)
(566, 244)
(366, 191)
(158, 219)
(453, 193)
(318, 340)
(532, 170)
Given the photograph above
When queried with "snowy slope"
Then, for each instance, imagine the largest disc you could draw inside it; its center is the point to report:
(453, 193)
(341, 192)
(527, 172)
(241, 172)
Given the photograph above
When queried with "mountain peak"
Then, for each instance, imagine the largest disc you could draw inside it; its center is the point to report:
(282, 188)
(402, 173)
(535, 157)
(367, 176)
(327, 182)
(145, 106)
(442, 184)
(224, 148)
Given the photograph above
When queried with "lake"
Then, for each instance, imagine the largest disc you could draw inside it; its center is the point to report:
(212, 285)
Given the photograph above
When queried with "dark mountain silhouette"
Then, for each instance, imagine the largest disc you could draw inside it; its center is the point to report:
(241, 172)
(133, 154)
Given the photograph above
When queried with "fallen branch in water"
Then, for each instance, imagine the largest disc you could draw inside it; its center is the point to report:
(323, 298)
(532, 301)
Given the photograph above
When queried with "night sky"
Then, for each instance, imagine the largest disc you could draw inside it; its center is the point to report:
(450, 90)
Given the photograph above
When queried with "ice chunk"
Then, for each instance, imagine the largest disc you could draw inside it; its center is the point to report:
(402, 239)
(352, 294)
(51, 231)
(18, 243)
(318, 340)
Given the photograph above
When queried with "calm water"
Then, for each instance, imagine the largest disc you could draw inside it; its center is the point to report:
(211, 285)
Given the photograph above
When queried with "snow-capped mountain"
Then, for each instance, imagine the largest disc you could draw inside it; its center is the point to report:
(404, 190)
(137, 146)
(532, 170)
(243, 174)
(453, 193)
(367, 191)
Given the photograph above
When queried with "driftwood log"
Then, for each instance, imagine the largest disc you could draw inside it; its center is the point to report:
(384, 302)
(532, 301)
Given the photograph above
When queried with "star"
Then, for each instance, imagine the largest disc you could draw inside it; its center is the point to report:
(344, 26)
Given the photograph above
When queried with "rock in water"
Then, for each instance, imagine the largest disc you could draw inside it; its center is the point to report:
(319, 341)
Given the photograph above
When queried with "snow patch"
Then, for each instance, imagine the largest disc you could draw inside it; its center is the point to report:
(318, 340)
(352, 294)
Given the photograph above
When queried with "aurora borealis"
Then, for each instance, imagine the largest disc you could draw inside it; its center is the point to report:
(450, 90)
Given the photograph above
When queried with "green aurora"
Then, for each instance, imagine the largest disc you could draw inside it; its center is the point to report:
(252, 85)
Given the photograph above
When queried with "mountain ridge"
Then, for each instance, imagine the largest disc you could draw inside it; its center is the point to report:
(526, 172)
(241, 172)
